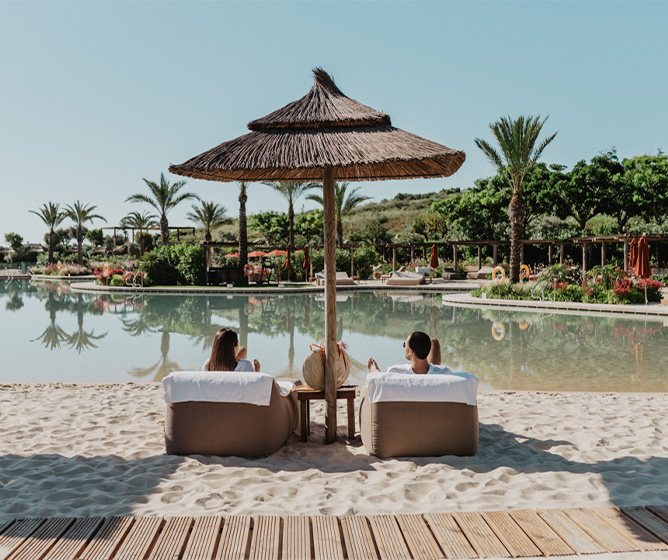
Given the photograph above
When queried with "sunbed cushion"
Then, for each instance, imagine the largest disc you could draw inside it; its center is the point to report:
(218, 386)
(402, 387)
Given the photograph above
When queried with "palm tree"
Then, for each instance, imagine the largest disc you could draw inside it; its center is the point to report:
(80, 214)
(164, 197)
(517, 140)
(52, 218)
(209, 215)
(243, 232)
(291, 191)
(139, 222)
(343, 205)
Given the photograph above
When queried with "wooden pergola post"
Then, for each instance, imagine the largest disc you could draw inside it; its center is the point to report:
(584, 259)
(352, 261)
(522, 253)
(412, 252)
(603, 253)
(207, 256)
(549, 254)
(394, 259)
(454, 257)
(561, 253)
(626, 254)
(495, 253)
(330, 303)
(479, 257)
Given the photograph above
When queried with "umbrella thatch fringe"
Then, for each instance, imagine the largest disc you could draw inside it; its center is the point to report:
(357, 153)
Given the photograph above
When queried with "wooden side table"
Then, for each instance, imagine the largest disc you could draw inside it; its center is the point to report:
(306, 395)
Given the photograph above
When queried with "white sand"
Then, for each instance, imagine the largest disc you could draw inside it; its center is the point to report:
(87, 450)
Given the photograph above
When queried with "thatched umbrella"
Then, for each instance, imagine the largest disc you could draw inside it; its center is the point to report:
(324, 136)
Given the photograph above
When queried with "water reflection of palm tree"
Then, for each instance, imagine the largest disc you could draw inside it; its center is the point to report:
(80, 339)
(53, 336)
(136, 325)
(163, 367)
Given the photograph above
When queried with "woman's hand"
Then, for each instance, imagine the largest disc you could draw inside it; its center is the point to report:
(241, 353)
(256, 365)
(372, 366)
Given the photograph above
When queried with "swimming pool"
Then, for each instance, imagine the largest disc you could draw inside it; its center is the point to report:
(51, 334)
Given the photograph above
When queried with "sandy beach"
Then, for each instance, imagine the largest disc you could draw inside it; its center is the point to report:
(84, 450)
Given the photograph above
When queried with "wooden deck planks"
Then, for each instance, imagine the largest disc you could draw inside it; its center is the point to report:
(42, 540)
(358, 538)
(70, 545)
(172, 539)
(419, 538)
(326, 538)
(296, 538)
(17, 534)
(600, 530)
(542, 535)
(108, 538)
(648, 520)
(139, 539)
(266, 538)
(389, 539)
(499, 534)
(576, 537)
(449, 536)
(638, 536)
(511, 534)
(203, 538)
(234, 538)
(480, 535)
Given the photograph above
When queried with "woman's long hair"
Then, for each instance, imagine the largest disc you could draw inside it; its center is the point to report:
(223, 357)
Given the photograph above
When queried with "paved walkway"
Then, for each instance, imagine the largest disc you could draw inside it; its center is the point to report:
(496, 534)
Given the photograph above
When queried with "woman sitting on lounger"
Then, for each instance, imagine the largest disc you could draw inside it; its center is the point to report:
(227, 355)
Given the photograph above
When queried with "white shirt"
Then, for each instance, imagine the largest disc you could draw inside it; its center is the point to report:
(406, 368)
(242, 365)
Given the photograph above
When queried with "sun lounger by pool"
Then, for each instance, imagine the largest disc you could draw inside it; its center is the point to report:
(342, 279)
(449, 273)
(408, 415)
(405, 279)
(227, 413)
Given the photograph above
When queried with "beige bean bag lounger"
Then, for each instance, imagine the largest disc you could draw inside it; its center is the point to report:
(408, 415)
(405, 279)
(227, 413)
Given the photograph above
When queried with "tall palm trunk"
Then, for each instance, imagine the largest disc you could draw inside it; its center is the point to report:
(517, 217)
(164, 229)
(339, 231)
(79, 245)
(291, 236)
(243, 236)
(52, 236)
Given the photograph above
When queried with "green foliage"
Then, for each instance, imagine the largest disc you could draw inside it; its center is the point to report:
(310, 225)
(15, 240)
(430, 225)
(116, 280)
(274, 226)
(172, 265)
(95, 236)
(371, 231)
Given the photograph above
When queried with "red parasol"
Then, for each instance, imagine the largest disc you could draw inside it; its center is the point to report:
(232, 255)
(307, 258)
(433, 263)
(641, 266)
(633, 254)
(257, 254)
(276, 253)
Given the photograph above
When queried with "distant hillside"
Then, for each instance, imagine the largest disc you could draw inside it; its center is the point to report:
(396, 214)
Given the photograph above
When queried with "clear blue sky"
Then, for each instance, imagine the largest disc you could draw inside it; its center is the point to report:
(96, 95)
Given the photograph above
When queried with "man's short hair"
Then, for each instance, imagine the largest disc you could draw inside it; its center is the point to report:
(420, 344)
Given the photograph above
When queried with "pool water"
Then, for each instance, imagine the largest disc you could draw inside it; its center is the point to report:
(51, 334)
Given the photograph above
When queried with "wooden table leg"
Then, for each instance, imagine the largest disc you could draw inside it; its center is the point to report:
(351, 418)
(303, 406)
(308, 417)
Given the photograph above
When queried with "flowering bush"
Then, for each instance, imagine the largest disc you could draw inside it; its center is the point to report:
(105, 274)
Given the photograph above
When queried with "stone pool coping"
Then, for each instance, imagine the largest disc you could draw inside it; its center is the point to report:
(656, 309)
(294, 288)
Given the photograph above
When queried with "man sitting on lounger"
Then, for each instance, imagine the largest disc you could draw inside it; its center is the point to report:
(424, 354)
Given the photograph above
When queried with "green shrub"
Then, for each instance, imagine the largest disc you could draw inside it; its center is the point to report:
(116, 280)
(172, 265)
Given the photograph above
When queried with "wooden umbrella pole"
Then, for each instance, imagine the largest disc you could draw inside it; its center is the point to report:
(330, 303)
